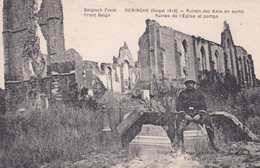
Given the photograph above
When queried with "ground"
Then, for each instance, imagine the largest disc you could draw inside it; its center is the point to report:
(233, 155)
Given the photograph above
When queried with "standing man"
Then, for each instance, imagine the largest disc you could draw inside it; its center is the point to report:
(191, 106)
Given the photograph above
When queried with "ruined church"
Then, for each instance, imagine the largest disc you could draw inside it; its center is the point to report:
(171, 55)
(34, 80)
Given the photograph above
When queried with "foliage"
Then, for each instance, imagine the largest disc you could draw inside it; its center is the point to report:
(214, 83)
(222, 93)
(253, 124)
(165, 94)
(86, 99)
(59, 133)
(70, 94)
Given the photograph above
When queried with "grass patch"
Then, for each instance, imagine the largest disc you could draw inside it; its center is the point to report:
(60, 133)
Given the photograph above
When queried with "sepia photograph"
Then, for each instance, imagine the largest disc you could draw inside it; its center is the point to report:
(129, 83)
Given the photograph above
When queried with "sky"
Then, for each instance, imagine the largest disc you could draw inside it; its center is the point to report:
(99, 38)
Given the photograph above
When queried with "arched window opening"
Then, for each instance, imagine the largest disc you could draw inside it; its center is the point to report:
(249, 72)
(226, 62)
(245, 68)
(241, 70)
(203, 63)
(126, 75)
(230, 56)
(216, 62)
(184, 59)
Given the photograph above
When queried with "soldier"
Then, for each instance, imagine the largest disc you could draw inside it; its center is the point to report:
(191, 106)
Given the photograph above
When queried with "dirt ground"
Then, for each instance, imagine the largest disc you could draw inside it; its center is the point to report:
(233, 155)
(236, 155)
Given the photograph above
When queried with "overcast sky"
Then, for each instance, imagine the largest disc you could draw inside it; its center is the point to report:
(99, 38)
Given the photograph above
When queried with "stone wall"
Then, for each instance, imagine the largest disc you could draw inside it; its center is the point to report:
(59, 75)
(245, 66)
(170, 55)
(125, 69)
(19, 27)
(33, 80)
(51, 23)
(32, 94)
(119, 76)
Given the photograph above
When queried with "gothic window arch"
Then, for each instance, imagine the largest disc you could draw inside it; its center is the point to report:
(230, 55)
(184, 59)
(226, 62)
(216, 61)
(249, 71)
(246, 70)
(126, 74)
(203, 63)
(241, 69)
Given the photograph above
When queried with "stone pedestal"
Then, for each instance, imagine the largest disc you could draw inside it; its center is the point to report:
(151, 141)
(195, 138)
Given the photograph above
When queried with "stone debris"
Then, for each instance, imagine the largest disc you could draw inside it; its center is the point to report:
(163, 161)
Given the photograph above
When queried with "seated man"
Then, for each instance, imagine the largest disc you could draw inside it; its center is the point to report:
(191, 106)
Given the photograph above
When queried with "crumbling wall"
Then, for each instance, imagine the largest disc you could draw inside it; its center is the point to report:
(167, 56)
(171, 55)
(118, 76)
(127, 68)
(185, 51)
(90, 71)
(245, 64)
(21, 45)
(61, 63)
(24, 63)
(92, 74)
(31, 94)
(202, 54)
(162, 56)
(51, 23)
(153, 54)
(31, 78)
(144, 58)
(218, 58)
(229, 48)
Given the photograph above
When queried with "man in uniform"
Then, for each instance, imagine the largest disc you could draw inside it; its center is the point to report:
(191, 106)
